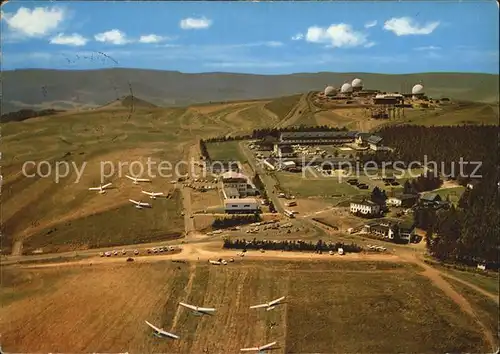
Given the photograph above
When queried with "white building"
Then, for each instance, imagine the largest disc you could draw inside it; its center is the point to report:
(244, 205)
(239, 182)
(404, 200)
(391, 230)
(366, 207)
(283, 151)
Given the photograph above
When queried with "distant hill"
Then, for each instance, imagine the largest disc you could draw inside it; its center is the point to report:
(134, 101)
(62, 89)
(129, 101)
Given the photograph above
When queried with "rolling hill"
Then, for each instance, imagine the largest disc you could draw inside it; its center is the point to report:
(40, 89)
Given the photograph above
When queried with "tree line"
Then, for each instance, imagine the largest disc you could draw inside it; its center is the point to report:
(204, 150)
(294, 245)
(275, 132)
(235, 220)
(24, 114)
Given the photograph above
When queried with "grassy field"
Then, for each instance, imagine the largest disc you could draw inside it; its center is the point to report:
(228, 150)
(474, 114)
(351, 307)
(65, 214)
(486, 309)
(282, 106)
(488, 283)
(316, 186)
(162, 222)
(453, 193)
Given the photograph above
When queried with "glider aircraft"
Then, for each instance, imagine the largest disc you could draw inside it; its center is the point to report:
(140, 205)
(153, 195)
(270, 305)
(198, 310)
(101, 188)
(136, 180)
(160, 332)
(258, 349)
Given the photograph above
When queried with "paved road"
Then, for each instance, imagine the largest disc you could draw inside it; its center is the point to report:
(267, 180)
(189, 229)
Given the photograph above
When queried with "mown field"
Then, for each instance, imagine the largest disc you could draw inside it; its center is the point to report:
(330, 307)
(227, 150)
(111, 142)
(316, 185)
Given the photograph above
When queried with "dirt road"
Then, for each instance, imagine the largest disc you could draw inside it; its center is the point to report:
(437, 279)
(493, 297)
(296, 113)
(266, 179)
(204, 251)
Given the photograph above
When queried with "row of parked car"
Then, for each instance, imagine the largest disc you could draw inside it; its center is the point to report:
(160, 249)
(116, 253)
(136, 252)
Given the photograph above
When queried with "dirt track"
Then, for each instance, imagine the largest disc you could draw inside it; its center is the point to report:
(437, 278)
(209, 251)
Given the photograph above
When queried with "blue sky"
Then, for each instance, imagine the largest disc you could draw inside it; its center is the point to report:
(253, 37)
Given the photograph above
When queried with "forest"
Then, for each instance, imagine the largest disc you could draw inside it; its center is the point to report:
(469, 232)
(286, 245)
(445, 145)
(423, 183)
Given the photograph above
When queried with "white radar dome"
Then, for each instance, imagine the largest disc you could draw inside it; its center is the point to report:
(346, 88)
(330, 90)
(417, 89)
(357, 83)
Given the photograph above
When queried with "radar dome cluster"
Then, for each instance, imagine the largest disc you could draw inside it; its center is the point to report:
(355, 91)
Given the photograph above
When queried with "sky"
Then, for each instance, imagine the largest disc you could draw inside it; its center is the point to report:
(253, 37)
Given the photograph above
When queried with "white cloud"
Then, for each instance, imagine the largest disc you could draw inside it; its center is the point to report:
(339, 35)
(371, 24)
(404, 26)
(151, 38)
(114, 36)
(73, 39)
(195, 23)
(37, 22)
(298, 37)
(370, 44)
(426, 48)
